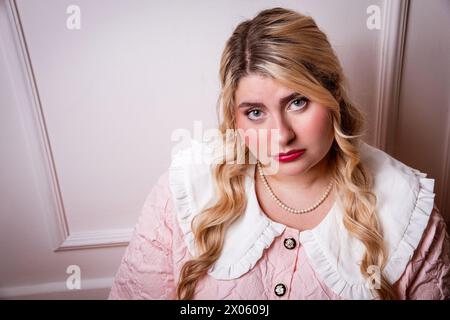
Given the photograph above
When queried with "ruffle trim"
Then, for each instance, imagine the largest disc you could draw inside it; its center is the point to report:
(251, 256)
(183, 201)
(186, 210)
(398, 258)
(196, 157)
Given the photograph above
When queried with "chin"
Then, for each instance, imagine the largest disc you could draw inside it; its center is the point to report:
(285, 168)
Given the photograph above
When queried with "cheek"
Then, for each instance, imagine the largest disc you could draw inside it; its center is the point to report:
(242, 127)
(251, 135)
(317, 127)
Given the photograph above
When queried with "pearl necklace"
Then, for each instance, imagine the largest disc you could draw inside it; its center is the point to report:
(286, 207)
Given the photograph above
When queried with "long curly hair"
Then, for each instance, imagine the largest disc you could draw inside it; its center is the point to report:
(288, 46)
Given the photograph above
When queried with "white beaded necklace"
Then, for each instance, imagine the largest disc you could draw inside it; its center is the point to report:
(286, 207)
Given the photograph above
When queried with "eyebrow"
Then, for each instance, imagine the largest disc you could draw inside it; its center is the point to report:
(282, 102)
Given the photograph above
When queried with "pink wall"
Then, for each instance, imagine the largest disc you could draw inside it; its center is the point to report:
(86, 115)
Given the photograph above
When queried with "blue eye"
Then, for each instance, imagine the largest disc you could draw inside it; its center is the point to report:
(255, 112)
(298, 103)
(302, 102)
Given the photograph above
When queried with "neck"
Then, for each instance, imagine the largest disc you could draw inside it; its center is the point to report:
(318, 176)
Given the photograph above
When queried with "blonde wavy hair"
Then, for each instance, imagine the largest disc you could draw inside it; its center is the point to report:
(288, 46)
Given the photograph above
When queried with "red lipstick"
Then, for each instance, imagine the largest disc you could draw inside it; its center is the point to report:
(290, 155)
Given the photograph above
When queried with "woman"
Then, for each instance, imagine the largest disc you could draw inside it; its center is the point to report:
(336, 219)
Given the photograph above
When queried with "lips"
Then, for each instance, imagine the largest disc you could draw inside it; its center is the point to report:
(290, 155)
(290, 152)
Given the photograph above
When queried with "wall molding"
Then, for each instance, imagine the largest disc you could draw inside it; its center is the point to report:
(29, 103)
(392, 42)
(390, 70)
(96, 239)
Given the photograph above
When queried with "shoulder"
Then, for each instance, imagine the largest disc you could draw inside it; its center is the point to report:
(427, 275)
(157, 209)
(405, 200)
(191, 184)
(391, 172)
(149, 251)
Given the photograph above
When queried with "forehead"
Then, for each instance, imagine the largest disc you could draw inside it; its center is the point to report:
(259, 87)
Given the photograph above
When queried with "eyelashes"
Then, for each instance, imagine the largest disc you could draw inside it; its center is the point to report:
(302, 99)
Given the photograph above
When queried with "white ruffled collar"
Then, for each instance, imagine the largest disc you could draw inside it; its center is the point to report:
(405, 201)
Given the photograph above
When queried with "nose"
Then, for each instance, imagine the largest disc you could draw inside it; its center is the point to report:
(285, 131)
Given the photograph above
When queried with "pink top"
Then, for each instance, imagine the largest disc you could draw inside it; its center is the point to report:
(151, 265)
(264, 259)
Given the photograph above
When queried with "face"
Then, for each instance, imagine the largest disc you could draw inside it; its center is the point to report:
(262, 105)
